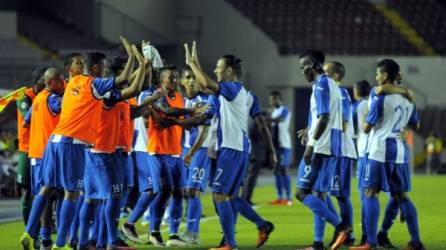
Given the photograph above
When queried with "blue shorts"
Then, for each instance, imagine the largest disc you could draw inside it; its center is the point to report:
(229, 172)
(103, 176)
(284, 157)
(63, 165)
(167, 172)
(360, 170)
(126, 164)
(387, 177)
(142, 164)
(317, 176)
(36, 175)
(341, 179)
(198, 170)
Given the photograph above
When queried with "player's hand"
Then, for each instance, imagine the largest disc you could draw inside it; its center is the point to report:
(188, 56)
(201, 109)
(272, 160)
(138, 55)
(194, 56)
(308, 155)
(127, 46)
(159, 93)
(188, 158)
(403, 135)
(302, 135)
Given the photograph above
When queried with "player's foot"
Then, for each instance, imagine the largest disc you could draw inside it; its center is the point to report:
(402, 218)
(46, 245)
(349, 242)
(87, 247)
(276, 202)
(225, 247)
(341, 234)
(27, 242)
(175, 241)
(384, 241)
(286, 202)
(120, 245)
(363, 239)
(191, 238)
(130, 232)
(156, 239)
(264, 233)
(73, 243)
(415, 246)
(316, 246)
(365, 246)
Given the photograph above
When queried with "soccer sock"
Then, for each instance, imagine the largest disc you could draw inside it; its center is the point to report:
(330, 204)
(60, 199)
(193, 215)
(346, 210)
(112, 218)
(94, 226)
(176, 211)
(34, 217)
(363, 213)
(319, 228)
(159, 206)
(124, 199)
(227, 221)
(319, 207)
(26, 204)
(410, 213)
(287, 185)
(75, 226)
(102, 233)
(390, 214)
(141, 205)
(85, 217)
(247, 211)
(279, 185)
(45, 233)
(66, 218)
(372, 216)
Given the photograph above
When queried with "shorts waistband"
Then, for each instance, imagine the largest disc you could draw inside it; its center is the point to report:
(66, 139)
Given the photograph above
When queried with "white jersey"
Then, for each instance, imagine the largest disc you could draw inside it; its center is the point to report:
(190, 135)
(360, 112)
(389, 115)
(326, 99)
(281, 129)
(230, 106)
(348, 145)
(140, 126)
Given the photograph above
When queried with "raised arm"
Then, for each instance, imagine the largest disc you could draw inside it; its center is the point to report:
(136, 85)
(128, 69)
(203, 79)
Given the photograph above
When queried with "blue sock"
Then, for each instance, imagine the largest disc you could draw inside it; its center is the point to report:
(193, 214)
(410, 213)
(363, 213)
(86, 216)
(330, 204)
(66, 218)
(346, 210)
(279, 185)
(372, 216)
(287, 185)
(390, 215)
(227, 222)
(112, 218)
(102, 226)
(319, 228)
(75, 226)
(158, 207)
(45, 233)
(319, 207)
(37, 209)
(243, 207)
(141, 206)
(175, 211)
(60, 199)
(124, 199)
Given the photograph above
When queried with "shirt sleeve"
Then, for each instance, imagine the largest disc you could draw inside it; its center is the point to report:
(229, 90)
(28, 116)
(414, 117)
(112, 98)
(346, 105)
(376, 110)
(101, 86)
(322, 96)
(255, 109)
(54, 102)
(214, 106)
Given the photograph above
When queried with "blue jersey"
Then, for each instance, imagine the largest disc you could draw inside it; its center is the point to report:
(190, 135)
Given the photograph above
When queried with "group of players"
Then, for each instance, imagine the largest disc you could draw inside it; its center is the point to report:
(83, 133)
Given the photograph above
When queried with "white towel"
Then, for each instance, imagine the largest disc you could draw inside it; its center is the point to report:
(153, 55)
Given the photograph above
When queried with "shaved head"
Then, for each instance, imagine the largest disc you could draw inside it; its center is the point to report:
(51, 74)
(54, 80)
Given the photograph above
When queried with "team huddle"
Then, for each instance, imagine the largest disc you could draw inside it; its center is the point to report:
(83, 135)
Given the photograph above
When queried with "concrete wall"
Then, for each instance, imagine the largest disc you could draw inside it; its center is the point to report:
(153, 20)
(8, 25)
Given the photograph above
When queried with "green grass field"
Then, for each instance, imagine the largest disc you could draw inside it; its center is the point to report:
(294, 224)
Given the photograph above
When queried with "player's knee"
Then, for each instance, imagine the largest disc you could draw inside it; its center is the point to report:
(286, 171)
(219, 197)
(370, 193)
(193, 193)
(341, 199)
(321, 195)
(46, 191)
(71, 196)
(301, 193)
(400, 197)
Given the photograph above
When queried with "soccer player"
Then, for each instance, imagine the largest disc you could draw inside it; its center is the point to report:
(231, 106)
(387, 167)
(63, 162)
(280, 118)
(74, 64)
(23, 167)
(45, 115)
(341, 179)
(323, 148)
(360, 109)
